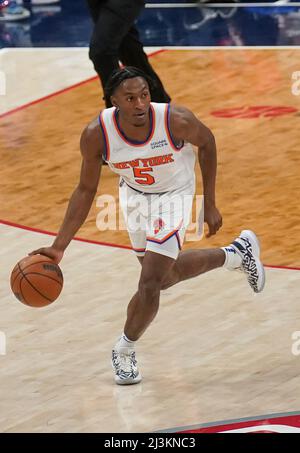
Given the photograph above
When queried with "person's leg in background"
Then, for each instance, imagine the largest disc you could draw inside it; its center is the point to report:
(131, 53)
(94, 7)
(112, 19)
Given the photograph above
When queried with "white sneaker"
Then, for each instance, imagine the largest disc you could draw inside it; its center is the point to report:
(247, 246)
(125, 366)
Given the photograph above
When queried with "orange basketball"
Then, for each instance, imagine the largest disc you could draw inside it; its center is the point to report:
(36, 281)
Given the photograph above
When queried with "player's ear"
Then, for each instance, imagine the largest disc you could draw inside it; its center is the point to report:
(113, 101)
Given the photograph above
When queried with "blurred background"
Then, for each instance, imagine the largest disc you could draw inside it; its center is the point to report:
(64, 23)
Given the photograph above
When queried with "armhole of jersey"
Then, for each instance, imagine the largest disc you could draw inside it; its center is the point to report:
(105, 137)
(175, 146)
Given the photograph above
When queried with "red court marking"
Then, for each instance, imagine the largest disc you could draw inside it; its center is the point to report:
(279, 422)
(283, 267)
(64, 90)
(264, 111)
(50, 233)
(108, 244)
(37, 101)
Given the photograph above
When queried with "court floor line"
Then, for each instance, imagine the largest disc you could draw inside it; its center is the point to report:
(64, 90)
(49, 96)
(50, 233)
(110, 244)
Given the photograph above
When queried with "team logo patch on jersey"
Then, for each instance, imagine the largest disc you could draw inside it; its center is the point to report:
(159, 144)
(158, 225)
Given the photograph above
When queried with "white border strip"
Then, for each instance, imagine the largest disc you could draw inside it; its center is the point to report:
(222, 5)
(152, 49)
(229, 47)
(28, 49)
(149, 49)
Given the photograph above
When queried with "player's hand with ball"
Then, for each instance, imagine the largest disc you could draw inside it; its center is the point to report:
(55, 254)
(37, 280)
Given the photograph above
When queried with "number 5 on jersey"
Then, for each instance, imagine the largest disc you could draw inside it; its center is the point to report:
(142, 176)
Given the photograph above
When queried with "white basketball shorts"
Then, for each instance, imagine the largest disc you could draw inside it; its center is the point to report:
(157, 222)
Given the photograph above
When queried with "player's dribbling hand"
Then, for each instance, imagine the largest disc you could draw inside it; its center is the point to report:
(213, 219)
(53, 253)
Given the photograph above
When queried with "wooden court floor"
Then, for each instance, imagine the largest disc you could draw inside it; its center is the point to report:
(215, 351)
(258, 179)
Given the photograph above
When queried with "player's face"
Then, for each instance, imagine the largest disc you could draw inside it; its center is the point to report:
(132, 98)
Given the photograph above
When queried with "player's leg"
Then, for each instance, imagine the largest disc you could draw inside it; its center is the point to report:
(144, 304)
(142, 309)
(242, 255)
(191, 263)
(132, 54)
(160, 272)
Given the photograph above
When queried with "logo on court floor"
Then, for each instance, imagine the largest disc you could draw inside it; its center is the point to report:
(246, 112)
(2, 343)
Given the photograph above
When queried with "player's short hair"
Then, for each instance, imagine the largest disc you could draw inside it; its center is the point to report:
(119, 75)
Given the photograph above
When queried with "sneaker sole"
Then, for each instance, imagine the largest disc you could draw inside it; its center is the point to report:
(128, 381)
(255, 245)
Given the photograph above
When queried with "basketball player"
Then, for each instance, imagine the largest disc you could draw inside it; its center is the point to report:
(150, 146)
(116, 38)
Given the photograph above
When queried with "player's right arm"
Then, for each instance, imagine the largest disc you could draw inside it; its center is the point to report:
(91, 146)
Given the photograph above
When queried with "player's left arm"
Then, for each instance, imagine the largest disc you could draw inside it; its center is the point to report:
(185, 126)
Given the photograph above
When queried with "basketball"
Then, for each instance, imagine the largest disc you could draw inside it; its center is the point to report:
(36, 281)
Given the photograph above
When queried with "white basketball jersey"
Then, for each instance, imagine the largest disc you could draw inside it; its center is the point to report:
(154, 166)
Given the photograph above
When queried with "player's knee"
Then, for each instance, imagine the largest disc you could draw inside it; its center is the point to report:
(149, 287)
